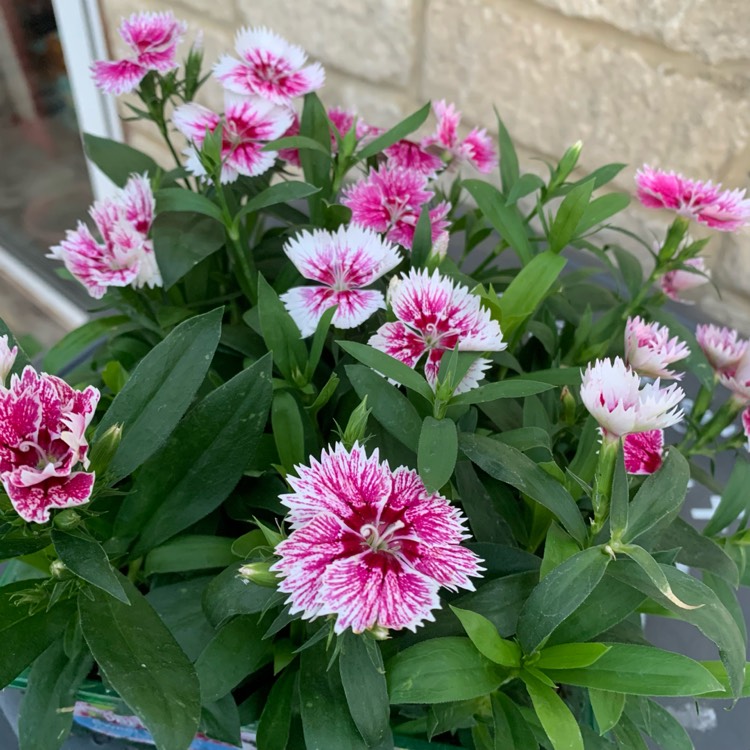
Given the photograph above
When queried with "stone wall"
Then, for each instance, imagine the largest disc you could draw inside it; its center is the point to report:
(665, 82)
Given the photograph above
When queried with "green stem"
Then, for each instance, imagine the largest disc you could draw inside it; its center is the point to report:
(724, 416)
(247, 274)
(134, 568)
(605, 470)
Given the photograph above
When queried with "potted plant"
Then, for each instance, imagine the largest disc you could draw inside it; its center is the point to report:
(361, 450)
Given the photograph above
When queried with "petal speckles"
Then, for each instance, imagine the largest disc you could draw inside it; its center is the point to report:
(644, 451)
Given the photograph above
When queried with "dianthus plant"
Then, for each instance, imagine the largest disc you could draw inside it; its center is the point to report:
(374, 437)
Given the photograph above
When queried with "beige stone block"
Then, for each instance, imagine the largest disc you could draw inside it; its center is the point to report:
(714, 30)
(374, 39)
(219, 11)
(554, 87)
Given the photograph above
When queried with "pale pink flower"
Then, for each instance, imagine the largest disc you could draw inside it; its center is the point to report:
(125, 255)
(650, 351)
(248, 124)
(7, 359)
(434, 316)
(746, 425)
(42, 441)
(369, 545)
(153, 37)
(722, 346)
(613, 394)
(475, 149)
(343, 263)
(737, 378)
(674, 282)
(644, 451)
(406, 154)
(269, 67)
(704, 202)
(390, 201)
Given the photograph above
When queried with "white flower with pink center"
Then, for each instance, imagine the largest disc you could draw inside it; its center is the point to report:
(124, 256)
(475, 149)
(248, 124)
(434, 316)
(737, 378)
(153, 39)
(613, 394)
(673, 283)
(650, 351)
(7, 359)
(722, 346)
(343, 263)
(704, 202)
(370, 545)
(42, 425)
(390, 200)
(644, 451)
(269, 67)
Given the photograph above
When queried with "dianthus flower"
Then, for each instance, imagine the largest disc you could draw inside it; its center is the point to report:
(737, 378)
(7, 359)
(722, 346)
(248, 124)
(704, 202)
(342, 262)
(370, 545)
(153, 37)
(42, 440)
(649, 350)
(679, 280)
(434, 316)
(406, 154)
(125, 254)
(644, 451)
(269, 67)
(390, 201)
(613, 394)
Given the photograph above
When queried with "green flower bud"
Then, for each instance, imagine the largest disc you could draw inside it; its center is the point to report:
(58, 569)
(103, 451)
(258, 573)
(67, 519)
(356, 427)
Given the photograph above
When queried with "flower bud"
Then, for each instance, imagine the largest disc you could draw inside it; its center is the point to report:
(103, 451)
(379, 633)
(258, 573)
(568, 401)
(58, 569)
(356, 426)
(675, 235)
(567, 165)
(67, 520)
(7, 359)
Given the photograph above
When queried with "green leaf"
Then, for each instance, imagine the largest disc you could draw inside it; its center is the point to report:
(527, 290)
(557, 596)
(396, 133)
(489, 643)
(514, 388)
(220, 720)
(716, 668)
(390, 407)
(422, 244)
(182, 240)
(568, 655)
(600, 209)
(160, 390)
(229, 595)
(437, 452)
(509, 172)
(733, 499)
(275, 721)
(296, 142)
(526, 184)
(141, 660)
(505, 219)
(607, 707)
(319, 340)
(316, 164)
(555, 717)
(117, 160)
(558, 547)
(631, 270)
(514, 468)
(204, 458)
(288, 430)
(619, 510)
(190, 552)
(179, 200)
(236, 651)
(568, 216)
(511, 732)
(363, 679)
(326, 721)
(86, 558)
(640, 670)
(655, 721)
(440, 670)
(388, 366)
(282, 192)
(487, 523)
(660, 497)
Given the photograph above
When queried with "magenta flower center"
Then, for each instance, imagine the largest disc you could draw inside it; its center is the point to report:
(380, 537)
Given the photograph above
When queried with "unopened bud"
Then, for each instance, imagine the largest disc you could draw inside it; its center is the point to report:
(675, 235)
(58, 569)
(568, 402)
(258, 573)
(356, 427)
(379, 633)
(567, 164)
(103, 451)
(67, 519)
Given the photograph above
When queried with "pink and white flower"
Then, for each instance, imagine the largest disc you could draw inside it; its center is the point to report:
(650, 351)
(704, 202)
(343, 121)
(475, 149)
(674, 282)
(125, 255)
(390, 200)
(153, 38)
(248, 124)
(343, 263)
(434, 316)
(644, 451)
(613, 394)
(42, 441)
(269, 67)
(746, 425)
(406, 154)
(370, 545)
(737, 378)
(7, 359)
(722, 346)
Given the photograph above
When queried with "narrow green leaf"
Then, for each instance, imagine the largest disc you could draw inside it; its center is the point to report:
(316, 164)
(733, 499)
(297, 142)
(437, 452)
(569, 655)
(513, 388)
(509, 172)
(558, 547)
(556, 718)
(229, 595)
(607, 708)
(220, 721)
(190, 552)
(118, 160)
(422, 244)
(568, 216)
(319, 340)
(618, 513)
(275, 721)
(483, 634)
(511, 732)
(141, 660)
(655, 721)
(282, 192)
(288, 430)
(487, 523)
(526, 184)
(160, 390)
(86, 558)
(600, 209)
(630, 268)
(396, 133)
(179, 200)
